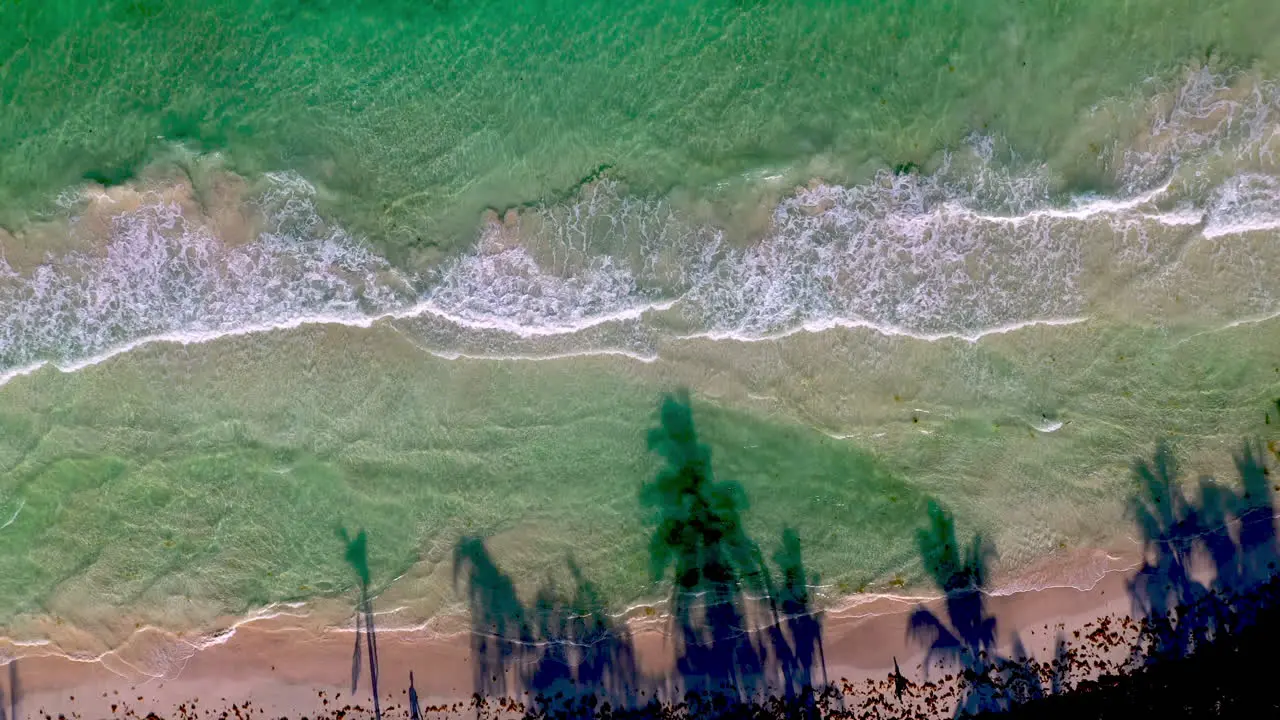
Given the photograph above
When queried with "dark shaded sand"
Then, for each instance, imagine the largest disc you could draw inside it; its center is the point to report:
(268, 669)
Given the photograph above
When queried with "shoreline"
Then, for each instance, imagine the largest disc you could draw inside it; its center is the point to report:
(284, 668)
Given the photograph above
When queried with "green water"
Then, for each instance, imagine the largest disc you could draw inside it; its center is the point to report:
(230, 485)
(224, 473)
(219, 472)
(417, 115)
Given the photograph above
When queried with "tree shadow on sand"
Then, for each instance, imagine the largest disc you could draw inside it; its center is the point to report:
(796, 638)
(9, 699)
(964, 636)
(1233, 528)
(357, 556)
(1208, 574)
(1207, 598)
(739, 636)
(572, 658)
(746, 641)
(501, 635)
(698, 536)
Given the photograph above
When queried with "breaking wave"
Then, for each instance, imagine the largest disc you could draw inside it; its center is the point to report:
(978, 244)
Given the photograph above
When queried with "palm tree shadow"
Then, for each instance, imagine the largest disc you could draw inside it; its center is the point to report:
(9, 701)
(584, 661)
(357, 556)
(740, 637)
(606, 664)
(570, 656)
(699, 537)
(1205, 595)
(1256, 508)
(1169, 522)
(737, 635)
(966, 636)
(501, 636)
(1233, 527)
(797, 646)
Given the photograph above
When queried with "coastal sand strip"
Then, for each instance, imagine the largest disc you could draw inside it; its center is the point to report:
(291, 672)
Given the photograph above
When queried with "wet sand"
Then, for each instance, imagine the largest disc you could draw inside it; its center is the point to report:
(281, 670)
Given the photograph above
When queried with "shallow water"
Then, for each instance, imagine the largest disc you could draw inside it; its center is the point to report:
(416, 116)
(213, 364)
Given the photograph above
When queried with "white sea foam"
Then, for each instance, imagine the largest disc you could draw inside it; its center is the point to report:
(1211, 117)
(552, 356)
(972, 249)
(167, 660)
(270, 612)
(543, 329)
(825, 325)
(1083, 578)
(1246, 203)
(189, 337)
(1240, 322)
(160, 274)
(508, 290)
(8, 375)
(1084, 208)
(894, 253)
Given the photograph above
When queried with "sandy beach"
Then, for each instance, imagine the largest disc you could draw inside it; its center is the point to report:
(273, 668)
(635, 350)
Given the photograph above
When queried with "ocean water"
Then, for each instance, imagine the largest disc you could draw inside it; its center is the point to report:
(417, 115)
(426, 268)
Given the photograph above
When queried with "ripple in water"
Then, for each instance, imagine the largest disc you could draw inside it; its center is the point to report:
(971, 247)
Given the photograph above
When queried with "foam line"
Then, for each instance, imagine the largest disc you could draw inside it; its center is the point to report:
(818, 326)
(197, 337)
(540, 358)
(529, 331)
(1084, 210)
(1213, 230)
(1253, 320)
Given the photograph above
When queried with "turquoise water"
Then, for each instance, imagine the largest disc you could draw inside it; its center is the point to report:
(425, 268)
(418, 115)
